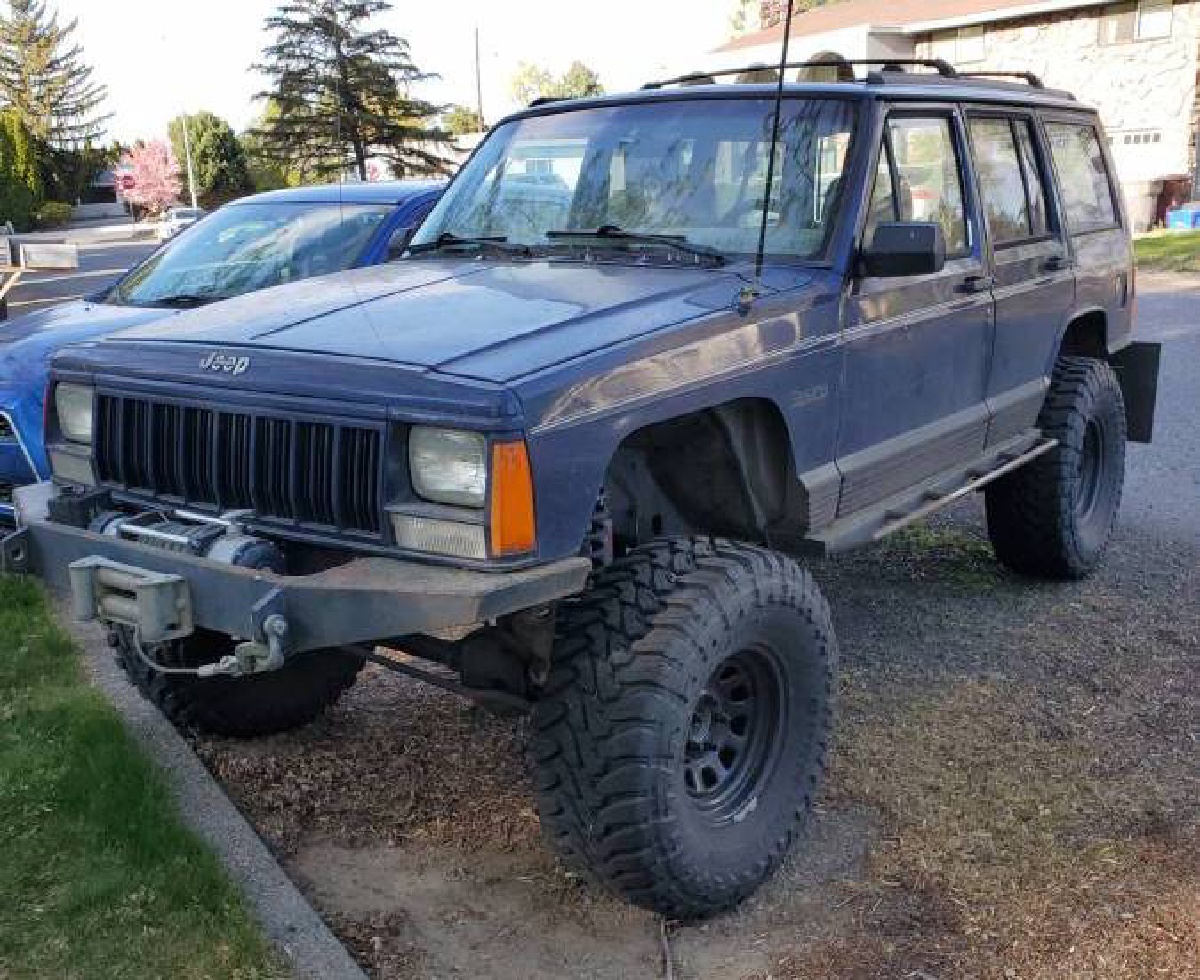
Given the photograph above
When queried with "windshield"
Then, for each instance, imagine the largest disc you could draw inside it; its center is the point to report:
(694, 169)
(246, 247)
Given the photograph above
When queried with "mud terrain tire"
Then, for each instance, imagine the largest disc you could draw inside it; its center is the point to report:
(243, 707)
(685, 726)
(1053, 517)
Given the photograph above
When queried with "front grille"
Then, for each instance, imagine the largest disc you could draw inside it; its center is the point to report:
(317, 474)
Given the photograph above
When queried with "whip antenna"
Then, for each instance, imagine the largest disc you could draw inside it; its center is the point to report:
(762, 231)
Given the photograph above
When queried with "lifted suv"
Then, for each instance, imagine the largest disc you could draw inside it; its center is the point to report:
(587, 418)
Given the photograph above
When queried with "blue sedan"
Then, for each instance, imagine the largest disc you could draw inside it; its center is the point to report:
(259, 241)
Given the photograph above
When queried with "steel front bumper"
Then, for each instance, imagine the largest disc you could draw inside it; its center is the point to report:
(366, 600)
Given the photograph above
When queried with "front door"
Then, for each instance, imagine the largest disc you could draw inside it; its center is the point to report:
(916, 347)
(1034, 281)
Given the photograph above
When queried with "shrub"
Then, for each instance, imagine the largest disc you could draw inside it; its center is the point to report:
(53, 214)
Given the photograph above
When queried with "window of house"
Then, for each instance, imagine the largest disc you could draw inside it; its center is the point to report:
(969, 45)
(920, 179)
(1145, 20)
(1083, 177)
(1153, 19)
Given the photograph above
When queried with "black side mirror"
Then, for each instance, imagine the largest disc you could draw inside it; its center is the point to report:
(400, 240)
(905, 248)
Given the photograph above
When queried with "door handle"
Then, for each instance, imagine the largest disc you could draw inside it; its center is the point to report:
(1056, 263)
(977, 284)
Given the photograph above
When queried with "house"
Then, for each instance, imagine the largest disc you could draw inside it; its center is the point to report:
(1135, 61)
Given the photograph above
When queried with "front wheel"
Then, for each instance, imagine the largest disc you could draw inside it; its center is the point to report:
(685, 726)
(1053, 517)
(260, 704)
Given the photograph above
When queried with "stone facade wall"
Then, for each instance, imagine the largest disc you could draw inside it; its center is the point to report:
(1145, 90)
(772, 12)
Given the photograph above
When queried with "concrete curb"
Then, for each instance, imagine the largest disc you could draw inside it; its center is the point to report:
(287, 918)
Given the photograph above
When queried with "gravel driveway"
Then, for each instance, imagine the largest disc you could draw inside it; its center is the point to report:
(1015, 794)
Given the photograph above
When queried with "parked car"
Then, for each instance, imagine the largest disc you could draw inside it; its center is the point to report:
(602, 446)
(258, 241)
(172, 221)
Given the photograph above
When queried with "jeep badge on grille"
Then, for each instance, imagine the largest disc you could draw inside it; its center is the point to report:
(225, 363)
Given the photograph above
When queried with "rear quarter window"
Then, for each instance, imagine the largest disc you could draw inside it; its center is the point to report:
(1083, 179)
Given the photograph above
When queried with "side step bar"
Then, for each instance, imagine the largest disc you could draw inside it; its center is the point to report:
(876, 523)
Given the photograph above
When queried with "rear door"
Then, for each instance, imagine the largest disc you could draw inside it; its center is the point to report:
(1034, 283)
(916, 347)
(1095, 222)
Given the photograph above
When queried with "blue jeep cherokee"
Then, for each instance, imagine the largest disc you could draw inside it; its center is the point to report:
(252, 243)
(583, 419)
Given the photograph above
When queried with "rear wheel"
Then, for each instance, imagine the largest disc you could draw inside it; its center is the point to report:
(1054, 516)
(685, 726)
(260, 704)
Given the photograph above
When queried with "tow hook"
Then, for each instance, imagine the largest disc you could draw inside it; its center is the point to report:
(252, 657)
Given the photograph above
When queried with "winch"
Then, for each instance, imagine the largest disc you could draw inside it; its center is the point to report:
(215, 538)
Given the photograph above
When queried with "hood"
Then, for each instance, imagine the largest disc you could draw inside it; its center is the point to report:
(28, 342)
(491, 321)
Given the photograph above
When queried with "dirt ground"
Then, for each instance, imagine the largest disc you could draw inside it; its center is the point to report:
(1016, 794)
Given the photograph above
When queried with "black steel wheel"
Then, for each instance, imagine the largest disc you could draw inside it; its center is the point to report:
(683, 732)
(734, 736)
(1054, 516)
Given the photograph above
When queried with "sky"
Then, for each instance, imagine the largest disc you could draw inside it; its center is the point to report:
(162, 57)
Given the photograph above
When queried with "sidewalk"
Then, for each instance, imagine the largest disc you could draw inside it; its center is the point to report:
(91, 233)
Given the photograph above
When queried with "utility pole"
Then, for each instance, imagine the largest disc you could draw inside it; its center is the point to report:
(478, 82)
(187, 152)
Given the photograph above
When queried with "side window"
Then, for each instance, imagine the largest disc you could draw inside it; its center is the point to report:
(1010, 180)
(1001, 182)
(928, 178)
(882, 206)
(1082, 177)
(1035, 183)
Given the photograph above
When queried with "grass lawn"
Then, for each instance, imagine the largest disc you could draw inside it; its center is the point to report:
(98, 877)
(1169, 251)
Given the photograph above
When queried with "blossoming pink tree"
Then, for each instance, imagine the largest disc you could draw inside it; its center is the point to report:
(156, 183)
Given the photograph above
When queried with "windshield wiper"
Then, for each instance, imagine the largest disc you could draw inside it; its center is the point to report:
(182, 300)
(614, 233)
(448, 240)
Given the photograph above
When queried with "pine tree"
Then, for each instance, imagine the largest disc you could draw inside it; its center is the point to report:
(20, 184)
(44, 79)
(341, 90)
(218, 158)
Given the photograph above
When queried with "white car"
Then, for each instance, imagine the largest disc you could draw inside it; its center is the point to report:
(174, 220)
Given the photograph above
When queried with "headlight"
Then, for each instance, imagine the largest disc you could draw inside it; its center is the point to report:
(448, 466)
(74, 406)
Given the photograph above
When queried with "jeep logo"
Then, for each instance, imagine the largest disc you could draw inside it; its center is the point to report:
(225, 363)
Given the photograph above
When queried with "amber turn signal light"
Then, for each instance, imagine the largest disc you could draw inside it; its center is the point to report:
(514, 530)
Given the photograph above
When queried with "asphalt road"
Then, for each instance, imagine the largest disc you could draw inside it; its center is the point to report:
(99, 266)
(1162, 488)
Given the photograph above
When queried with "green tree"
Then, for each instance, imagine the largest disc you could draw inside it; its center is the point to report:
(461, 121)
(268, 173)
(218, 159)
(341, 89)
(577, 82)
(20, 181)
(43, 77)
(740, 19)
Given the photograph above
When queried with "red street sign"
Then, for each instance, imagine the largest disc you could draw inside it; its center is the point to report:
(127, 182)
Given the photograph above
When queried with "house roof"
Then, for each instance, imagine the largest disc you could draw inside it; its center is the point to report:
(907, 15)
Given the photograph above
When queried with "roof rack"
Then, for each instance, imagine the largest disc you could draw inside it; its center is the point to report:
(940, 65)
(1034, 80)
